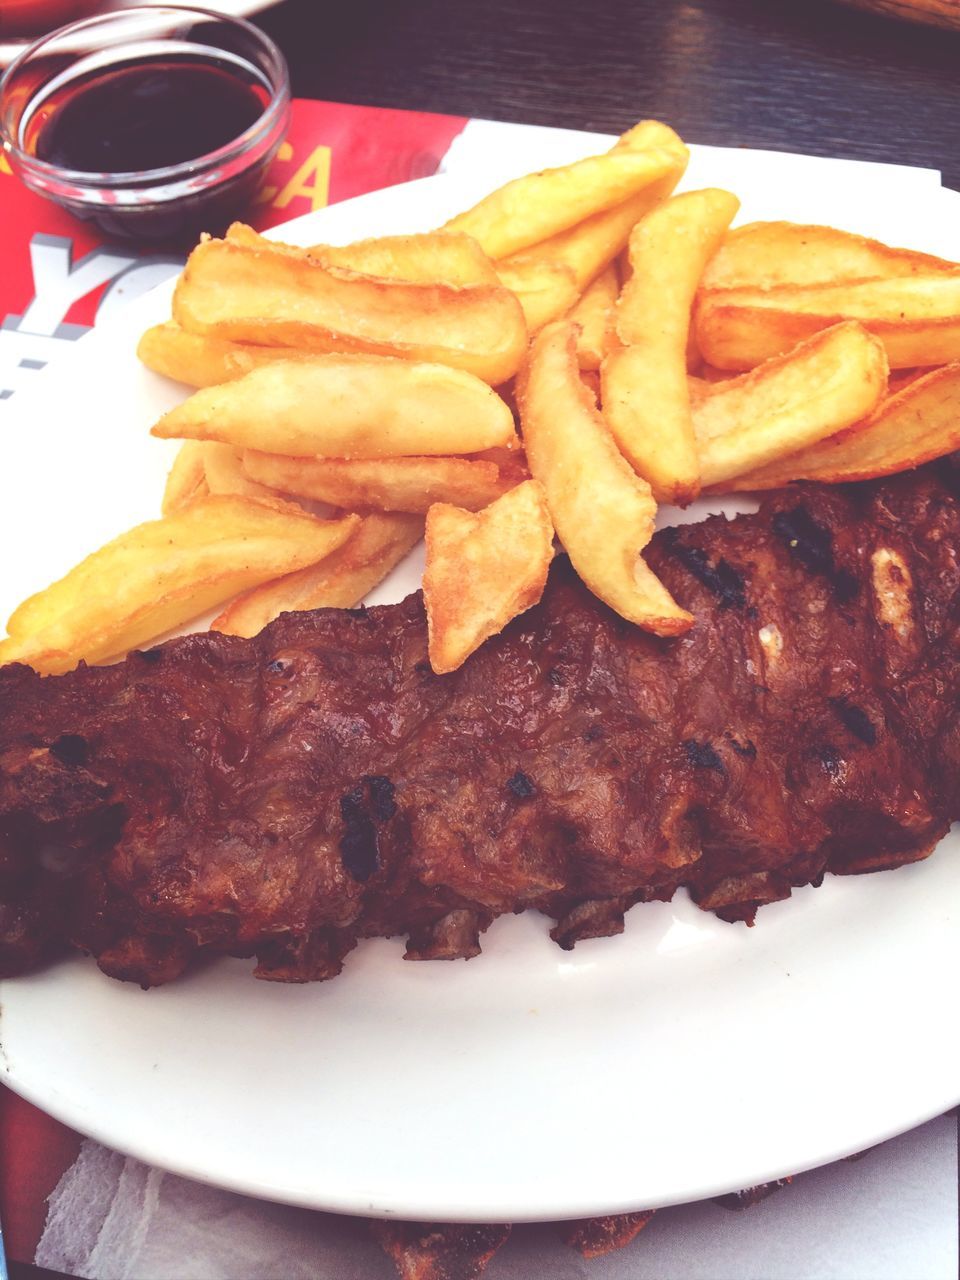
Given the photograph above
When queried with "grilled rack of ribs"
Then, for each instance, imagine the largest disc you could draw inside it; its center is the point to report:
(283, 796)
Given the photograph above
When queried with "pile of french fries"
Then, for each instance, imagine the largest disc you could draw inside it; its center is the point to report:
(547, 367)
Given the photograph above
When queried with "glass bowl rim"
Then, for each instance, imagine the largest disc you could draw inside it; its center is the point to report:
(273, 114)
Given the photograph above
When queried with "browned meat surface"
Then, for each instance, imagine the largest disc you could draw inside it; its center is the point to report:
(283, 796)
(595, 1237)
(440, 1250)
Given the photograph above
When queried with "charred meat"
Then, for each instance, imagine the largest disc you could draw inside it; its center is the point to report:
(282, 797)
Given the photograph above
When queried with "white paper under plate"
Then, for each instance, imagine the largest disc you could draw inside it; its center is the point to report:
(684, 1058)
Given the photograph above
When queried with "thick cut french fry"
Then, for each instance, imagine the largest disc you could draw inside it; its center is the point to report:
(186, 479)
(277, 296)
(652, 133)
(436, 257)
(161, 574)
(592, 315)
(342, 406)
(829, 382)
(594, 243)
(540, 205)
(917, 424)
(202, 361)
(384, 484)
(339, 581)
(482, 570)
(602, 510)
(225, 473)
(917, 318)
(766, 255)
(545, 289)
(646, 402)
(431, 257)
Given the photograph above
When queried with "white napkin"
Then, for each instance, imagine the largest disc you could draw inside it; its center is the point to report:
(890, 1215)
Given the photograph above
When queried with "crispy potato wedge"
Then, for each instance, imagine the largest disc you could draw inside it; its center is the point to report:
(338, 581)
(545, 289)
(652, 133)
(917, 318)
(482, 570)
(594, 243)
(346, 406)
(277, 296)
(202, 361)
(186, 479)
(161, 574)
(535, 207)
(826, 384)
(225, 473)
(602, 510)
(646, 402)
(384, 484)
(591, 245)
(431, 257)
(436, 257)
(592, 315)
(917, 424)
(766, 255)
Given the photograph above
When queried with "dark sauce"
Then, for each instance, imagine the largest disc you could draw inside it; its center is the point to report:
(153, 114)
(146, 116)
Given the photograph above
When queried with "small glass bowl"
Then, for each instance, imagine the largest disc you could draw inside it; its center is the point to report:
(172, 204)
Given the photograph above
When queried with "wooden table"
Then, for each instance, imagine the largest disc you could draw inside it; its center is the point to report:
(793, 75)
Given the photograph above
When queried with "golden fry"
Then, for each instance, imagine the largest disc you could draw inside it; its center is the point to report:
(594, 243)
(384, 484)
(482, 570)
(202, 361)
(160, 575)
(593, 314)
(436, 257)
(545, 289)
(652, 133)
(186, 479)
(767, 255)
(278, 296)
(431, 257)
(602, 510)
(917, 318)
(343, 406)
(829, 382)
(531, 209)
(224, 471)
(646, 402)
(917, 424)
(338, 581)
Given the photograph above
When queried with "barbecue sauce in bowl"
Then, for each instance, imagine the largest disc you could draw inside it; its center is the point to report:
(157, 122)
(147, 116)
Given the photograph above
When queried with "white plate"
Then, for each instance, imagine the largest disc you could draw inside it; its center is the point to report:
(685, 1058)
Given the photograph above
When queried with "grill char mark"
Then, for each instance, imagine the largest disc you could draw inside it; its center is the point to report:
(721, 579)
(811, 544)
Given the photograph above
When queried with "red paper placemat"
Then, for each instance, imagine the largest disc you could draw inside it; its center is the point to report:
(57, 274)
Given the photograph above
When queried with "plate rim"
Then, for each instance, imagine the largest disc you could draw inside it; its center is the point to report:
(399, 1207)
